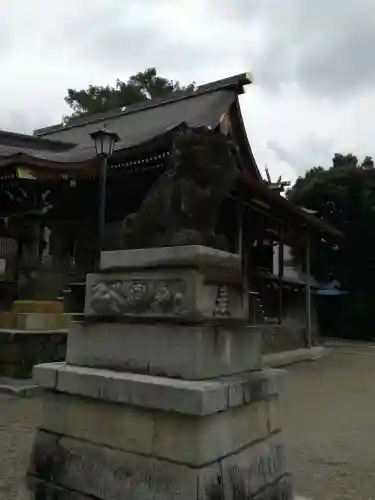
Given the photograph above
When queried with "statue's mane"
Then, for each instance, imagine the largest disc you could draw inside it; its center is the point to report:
(188, 143)
(182, 206)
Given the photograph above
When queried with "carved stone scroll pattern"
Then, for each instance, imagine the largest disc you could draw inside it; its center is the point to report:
(138, 297)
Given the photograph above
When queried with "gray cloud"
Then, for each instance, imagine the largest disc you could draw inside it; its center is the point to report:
(303, 54)
(326, 47)
(309, 152)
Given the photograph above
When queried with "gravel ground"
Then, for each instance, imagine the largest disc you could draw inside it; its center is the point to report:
(18, 421)
(328, 420)
(329, 426)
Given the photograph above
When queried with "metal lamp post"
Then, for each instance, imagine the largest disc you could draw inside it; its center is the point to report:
(104, 141)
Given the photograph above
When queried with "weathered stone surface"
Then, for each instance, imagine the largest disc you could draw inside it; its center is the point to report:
(274, 415)
(35, 489)
(254, 468)
(281, 490)
(109, 474)
(210, 484)
(117, 426)
(195, 398)
(185, 256)
(258, 472)
(147, 294)
(199, 441)
(180, 283)
(46, 457)
(189, 352)
(40, 490)
(178, 295)
(45, 375)
(184, 439)
(182, 396)
(256, 386)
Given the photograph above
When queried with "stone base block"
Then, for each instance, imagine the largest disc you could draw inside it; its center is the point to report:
(189, 352)
(112, 435)
(192, 440)
(160, 393)
(21, 350)
(192, 423)
(64, 465)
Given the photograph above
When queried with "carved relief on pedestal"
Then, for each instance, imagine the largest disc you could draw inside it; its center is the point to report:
(138, 297)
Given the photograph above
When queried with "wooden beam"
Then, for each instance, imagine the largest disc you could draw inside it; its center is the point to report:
(308, 291)
(239, 242)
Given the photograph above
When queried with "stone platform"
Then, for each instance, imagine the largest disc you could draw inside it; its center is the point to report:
(162, 395)
(123, 435)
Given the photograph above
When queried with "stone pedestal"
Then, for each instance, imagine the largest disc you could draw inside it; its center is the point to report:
(162, 395)
(33, 332)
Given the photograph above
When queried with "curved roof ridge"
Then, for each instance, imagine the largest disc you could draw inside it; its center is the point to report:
(234, 82)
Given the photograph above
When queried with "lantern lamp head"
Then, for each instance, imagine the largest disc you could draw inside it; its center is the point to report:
(104, 141)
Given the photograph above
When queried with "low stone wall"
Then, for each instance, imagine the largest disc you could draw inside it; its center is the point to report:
(280, 338)
(291, 334)
(20, 350)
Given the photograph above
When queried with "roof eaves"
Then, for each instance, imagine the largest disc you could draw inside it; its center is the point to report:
(289, 207)
(15, 138)
(21, 159)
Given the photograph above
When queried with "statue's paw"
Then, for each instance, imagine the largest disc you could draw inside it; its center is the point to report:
(219, 242)
(187, 237)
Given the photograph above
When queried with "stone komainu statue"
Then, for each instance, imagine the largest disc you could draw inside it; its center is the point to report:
(182, 206)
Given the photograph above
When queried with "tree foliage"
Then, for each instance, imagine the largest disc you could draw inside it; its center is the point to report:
(343, 195)
(139, 87)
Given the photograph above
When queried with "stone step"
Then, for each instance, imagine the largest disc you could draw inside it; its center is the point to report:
(34, 321)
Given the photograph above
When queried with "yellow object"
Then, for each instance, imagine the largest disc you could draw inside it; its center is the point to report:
(25, 173)
(35, 315)
(37, 306)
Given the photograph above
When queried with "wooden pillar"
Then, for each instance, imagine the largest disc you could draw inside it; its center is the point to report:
(280, 307)
(308, 291)
(242, 250)
(239, 242)
(46, 238)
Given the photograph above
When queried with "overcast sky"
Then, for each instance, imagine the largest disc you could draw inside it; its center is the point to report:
(312, 61)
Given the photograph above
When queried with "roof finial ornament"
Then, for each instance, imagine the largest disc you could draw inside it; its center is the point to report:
(279, 185)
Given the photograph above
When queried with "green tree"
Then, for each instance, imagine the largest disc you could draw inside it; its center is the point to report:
(139, 87)
(343, 195)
